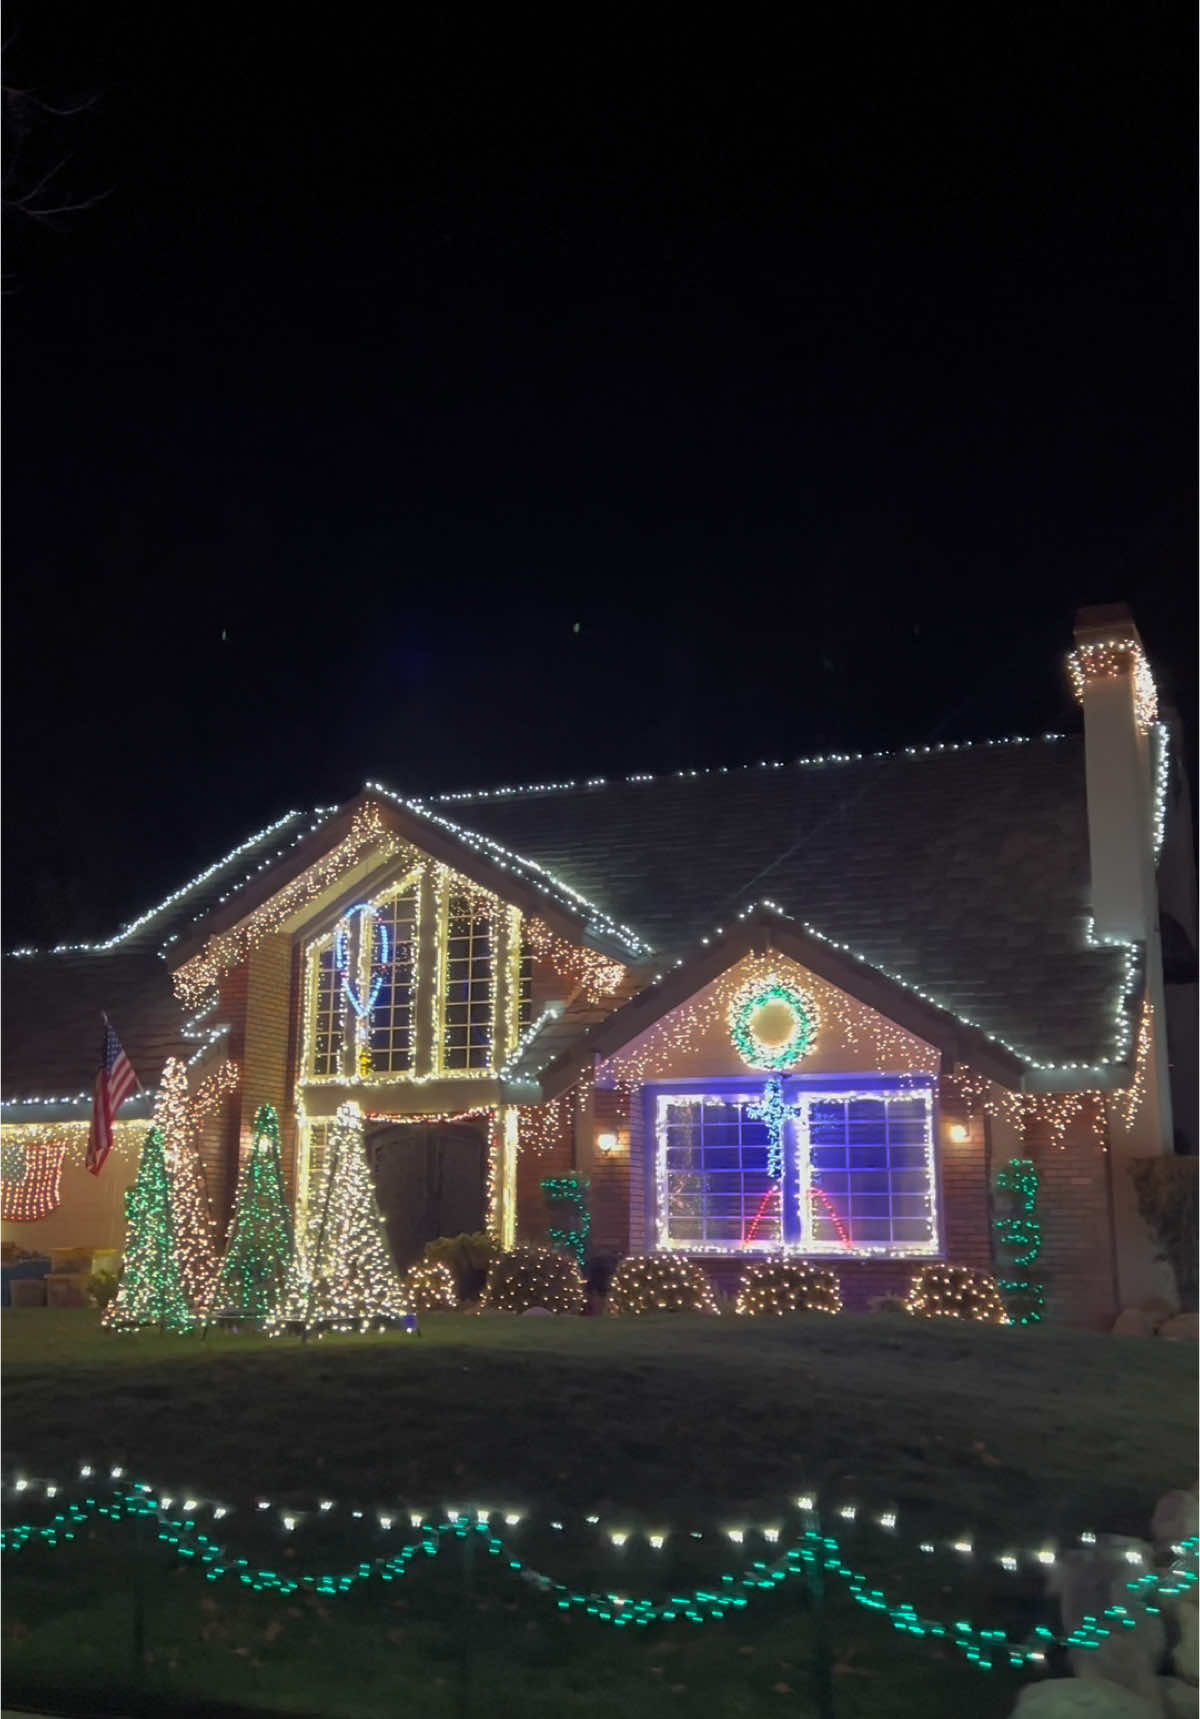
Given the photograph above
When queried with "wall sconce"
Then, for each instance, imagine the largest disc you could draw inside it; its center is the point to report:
(959, 1133)
(607, 1142)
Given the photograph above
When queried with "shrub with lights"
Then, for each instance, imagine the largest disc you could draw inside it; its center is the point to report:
(779, 1286)
(533, 1277)
(429, 1287)
(956, 1292)
(660, 1283)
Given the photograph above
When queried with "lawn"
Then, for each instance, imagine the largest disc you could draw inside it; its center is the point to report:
(692, 1424)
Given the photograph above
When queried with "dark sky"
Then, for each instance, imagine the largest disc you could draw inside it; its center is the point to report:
(459, 408)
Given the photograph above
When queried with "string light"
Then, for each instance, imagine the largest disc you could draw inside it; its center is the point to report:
(573, 1191)
(732, 1590)
(259, 1253)
(597, 976)
(30, 1180)
(659, 1283)
(956, 1292)
(786, 1016)
(177, 1119)
(151, 1290)
(533, 1277)
(228, 949)
(1126, 1104)
(776, 1287)
(1020, 1235)
(1112, 659)
(343, 1278)
(429, 1287)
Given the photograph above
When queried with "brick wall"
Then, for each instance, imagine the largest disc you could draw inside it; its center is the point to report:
(1073, 1208)
(610, 1175)
(966, 1209)
(533, 1214)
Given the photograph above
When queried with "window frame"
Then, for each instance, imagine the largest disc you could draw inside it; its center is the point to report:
(805, 1089)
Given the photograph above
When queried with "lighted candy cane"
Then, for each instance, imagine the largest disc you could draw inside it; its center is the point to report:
(380, 960)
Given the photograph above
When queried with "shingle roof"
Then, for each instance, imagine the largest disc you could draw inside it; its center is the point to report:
(53, 999)
(963, 872)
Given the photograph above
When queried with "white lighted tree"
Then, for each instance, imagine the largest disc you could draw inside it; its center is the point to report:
(176, 1116)
(343, 1278)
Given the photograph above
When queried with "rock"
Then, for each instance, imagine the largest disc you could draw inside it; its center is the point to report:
(1159, 1309)
(1177, 1697)
(1089, 1579)
(537, 1312)
(1176, 1517)
(1074, 1698)
(1125, 1659)
(1183, 1660)
(1133, 1323)
(1181, 1328)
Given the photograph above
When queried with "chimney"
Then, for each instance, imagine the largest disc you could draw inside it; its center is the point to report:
(1113, 683)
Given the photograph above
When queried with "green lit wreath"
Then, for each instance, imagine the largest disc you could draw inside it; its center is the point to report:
(772, 1025)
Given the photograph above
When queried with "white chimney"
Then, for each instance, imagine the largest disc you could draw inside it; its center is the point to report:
(1113, 683)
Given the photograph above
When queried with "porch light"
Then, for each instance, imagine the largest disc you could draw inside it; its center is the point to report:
(607, 1142)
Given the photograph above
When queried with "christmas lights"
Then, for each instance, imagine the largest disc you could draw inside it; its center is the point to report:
(1128, 1102)
(657, 1283)
(853, 1147)
(570, 1190)
(533, 1277)
(956, 1292)
(1020, 1235)
(30, 1181)
(1111, 659)
(343, 1278)
(151, 1290)
(730, 1591)
(429, 1287)
(228, 949)
(177, 1117)
(596, 976)
(776, 1287)
(258, 1256)
(772, 1025)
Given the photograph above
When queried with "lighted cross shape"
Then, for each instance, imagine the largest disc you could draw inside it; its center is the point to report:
(772, 1110)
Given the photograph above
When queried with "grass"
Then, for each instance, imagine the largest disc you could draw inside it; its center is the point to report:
(695, 1422)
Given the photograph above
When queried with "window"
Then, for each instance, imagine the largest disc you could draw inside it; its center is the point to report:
(855, 1172)
(393, 982)
(716, 1182)
(326, 1004)
(469, 1027)
(315, 1142)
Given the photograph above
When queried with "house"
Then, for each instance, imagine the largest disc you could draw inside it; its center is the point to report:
(810, 1007)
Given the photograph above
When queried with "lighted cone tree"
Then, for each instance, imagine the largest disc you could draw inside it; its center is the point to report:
(195, 1233)
(259, 1252)
(151, 1289)
(344, 1278)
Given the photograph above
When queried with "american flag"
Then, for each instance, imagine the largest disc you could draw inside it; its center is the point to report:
(115, 1081)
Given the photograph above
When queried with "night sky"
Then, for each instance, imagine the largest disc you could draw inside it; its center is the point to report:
(463, 409)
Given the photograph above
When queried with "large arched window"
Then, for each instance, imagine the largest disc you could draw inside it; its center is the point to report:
(393, 982)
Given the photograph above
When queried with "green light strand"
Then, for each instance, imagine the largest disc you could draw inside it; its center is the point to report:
(982, 1648)
(574, 1191)
(259, 1254)
(1020, 1236)
(151, 1289)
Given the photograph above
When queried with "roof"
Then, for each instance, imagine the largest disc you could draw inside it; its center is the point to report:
(961, 872)
(54, 999)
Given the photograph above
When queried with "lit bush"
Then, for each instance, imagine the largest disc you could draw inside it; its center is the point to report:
(785, 1286)
(429, 1287)
(660, 1283)
(956, 1292)
(533, 1277)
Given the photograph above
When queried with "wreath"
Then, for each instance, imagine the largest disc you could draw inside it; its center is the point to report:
(773, 1025)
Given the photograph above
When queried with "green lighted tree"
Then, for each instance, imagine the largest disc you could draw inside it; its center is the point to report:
(259, 1252)
(151, 1290)
(1020, 1240)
